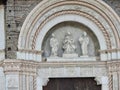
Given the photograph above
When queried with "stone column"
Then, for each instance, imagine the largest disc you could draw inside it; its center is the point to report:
(114, 75)
(105, 85)
(119, 79)
(110, 79)
(20, 75)
(115, 81)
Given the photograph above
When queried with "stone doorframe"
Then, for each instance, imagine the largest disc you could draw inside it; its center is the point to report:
(33, 75)
(71, 70)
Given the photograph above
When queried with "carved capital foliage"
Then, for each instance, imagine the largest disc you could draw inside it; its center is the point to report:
(113, 66)
(19, 66)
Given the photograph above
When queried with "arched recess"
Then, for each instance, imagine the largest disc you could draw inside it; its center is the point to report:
(96, 15)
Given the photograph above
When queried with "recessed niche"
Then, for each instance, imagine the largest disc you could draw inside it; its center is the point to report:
(76, 29)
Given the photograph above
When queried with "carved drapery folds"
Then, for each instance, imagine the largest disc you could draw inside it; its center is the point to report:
(75, 41)
(69, 47)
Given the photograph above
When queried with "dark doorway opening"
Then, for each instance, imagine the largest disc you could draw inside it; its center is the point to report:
(72, 84)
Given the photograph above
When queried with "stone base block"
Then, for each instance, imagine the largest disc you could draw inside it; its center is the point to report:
(74, 55)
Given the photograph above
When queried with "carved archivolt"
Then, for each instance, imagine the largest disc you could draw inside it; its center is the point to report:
(97, 6)
(107, 38)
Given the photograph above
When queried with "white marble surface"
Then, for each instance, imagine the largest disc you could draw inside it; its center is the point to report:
(2, 79)
(2, 31)
(71, 58)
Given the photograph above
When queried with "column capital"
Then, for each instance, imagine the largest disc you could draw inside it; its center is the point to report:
(19, 66)
(113, 66)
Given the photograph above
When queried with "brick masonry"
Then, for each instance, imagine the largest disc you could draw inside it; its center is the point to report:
(17, 11)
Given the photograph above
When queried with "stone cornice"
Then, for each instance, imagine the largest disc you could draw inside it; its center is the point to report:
(20, 64)
(72, 64)
(30, 67)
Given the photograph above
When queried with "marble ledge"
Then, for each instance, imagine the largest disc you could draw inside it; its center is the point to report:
(38, 64)
(54, 64)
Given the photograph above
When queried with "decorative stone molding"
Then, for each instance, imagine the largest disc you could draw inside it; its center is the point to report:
(113, 66)
(114, 76)
(71, 64)
(70, 12)
(20, 74)
(20, 66)
(108, 15)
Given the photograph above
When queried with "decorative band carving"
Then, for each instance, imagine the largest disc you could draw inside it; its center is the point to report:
(105, 33)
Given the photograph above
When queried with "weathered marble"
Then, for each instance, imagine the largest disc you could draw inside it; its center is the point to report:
(29, 25)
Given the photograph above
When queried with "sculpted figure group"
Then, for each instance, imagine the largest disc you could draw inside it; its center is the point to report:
(69, 46)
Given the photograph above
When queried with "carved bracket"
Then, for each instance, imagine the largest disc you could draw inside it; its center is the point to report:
(98, 80)
(45, 81)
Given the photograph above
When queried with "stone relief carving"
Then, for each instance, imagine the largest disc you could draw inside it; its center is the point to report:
(65, 41)
(54, 45)
(84, 41)
(68, 44)
(12, 82)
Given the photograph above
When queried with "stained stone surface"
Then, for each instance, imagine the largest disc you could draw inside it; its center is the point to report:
(115, 4)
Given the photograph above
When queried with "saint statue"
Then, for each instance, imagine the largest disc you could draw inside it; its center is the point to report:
(84, 41)
(54, 45)
(68, 44)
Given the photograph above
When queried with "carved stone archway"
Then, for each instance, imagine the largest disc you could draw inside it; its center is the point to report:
(49, 13)
(94, 14)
